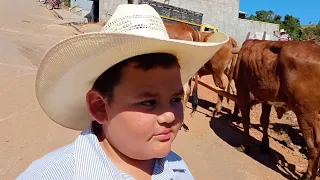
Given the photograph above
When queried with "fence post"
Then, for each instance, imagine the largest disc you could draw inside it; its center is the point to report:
(264, 35)
(248, 35)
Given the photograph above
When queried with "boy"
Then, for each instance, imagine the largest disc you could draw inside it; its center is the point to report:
(128, 78)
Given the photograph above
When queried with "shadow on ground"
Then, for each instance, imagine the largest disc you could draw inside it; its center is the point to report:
(295, 135)
(232, 134)
(206, 105)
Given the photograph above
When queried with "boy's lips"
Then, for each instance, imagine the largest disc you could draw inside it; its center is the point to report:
(164, 135)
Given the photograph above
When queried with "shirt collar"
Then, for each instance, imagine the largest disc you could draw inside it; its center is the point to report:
(90, 160)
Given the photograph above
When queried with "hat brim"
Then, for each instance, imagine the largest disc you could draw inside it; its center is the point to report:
(69, 69)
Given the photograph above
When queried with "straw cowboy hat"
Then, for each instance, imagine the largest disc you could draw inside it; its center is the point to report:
(282, 31)
(69, 69)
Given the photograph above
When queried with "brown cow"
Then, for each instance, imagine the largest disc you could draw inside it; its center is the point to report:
(185, 32)
(285, 75)
(218, 66)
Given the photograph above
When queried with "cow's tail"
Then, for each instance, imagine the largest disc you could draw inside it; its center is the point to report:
(195, 35)
(237, 63)
(276, 46)
(316, 134)
(231, 72)
(194, 98)
(233, 64)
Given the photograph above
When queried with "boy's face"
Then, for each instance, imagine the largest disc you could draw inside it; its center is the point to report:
(146, 112)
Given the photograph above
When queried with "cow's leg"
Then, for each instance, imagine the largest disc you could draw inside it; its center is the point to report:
(264, 121)
(245, 111)
(187, 92)
(218, 107)
(232, 87)
(308, 123)
(236, 110)
(218, 81)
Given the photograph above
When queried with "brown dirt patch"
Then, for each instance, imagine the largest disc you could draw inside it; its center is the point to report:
(288, 151)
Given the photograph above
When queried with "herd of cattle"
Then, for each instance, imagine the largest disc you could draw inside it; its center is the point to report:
(283, 74)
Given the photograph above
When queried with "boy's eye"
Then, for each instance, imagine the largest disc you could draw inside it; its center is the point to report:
(176, 100)
(148, 103)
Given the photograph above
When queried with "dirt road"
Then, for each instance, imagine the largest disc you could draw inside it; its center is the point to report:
(27, 31)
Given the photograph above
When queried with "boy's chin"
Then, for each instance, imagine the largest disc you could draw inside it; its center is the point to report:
(162, 151)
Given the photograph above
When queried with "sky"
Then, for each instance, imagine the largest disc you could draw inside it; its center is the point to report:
(305, 10)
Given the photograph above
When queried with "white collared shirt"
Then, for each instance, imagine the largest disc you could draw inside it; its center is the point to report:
(84, 159)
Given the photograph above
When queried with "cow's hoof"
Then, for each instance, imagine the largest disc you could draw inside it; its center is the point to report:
(242, 148)
(305, 177)
(215, 114)
(236, 118)
(264, 150)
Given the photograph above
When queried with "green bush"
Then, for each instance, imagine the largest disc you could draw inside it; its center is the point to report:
(67, 3)
(290, 23)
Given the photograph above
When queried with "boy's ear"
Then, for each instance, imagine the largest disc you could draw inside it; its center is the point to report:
(96, 106)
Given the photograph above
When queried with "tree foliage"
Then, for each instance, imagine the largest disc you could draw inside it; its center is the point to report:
(290, 23)
(67, 3)
(266, 16)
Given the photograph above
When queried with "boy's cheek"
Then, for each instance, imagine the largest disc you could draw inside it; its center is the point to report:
(179, 115)
(178, 122)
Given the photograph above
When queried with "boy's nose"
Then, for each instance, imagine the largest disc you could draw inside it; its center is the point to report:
(167, 117)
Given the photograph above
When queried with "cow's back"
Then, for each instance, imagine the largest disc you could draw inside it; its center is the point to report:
(257, 68)
(299, 66)
(181, 31)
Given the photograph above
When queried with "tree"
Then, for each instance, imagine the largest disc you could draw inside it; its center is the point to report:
(266, 16)
(290, 23)
(277, 19)
(292, 26)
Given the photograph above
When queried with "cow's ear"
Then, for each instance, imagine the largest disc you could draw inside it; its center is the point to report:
(96, 106)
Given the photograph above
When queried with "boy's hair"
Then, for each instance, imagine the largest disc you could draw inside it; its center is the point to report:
(112, 77)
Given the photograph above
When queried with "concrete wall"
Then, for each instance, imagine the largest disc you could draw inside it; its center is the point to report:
(255, 27)
(222, 14)
(107, 7)
(84, 4)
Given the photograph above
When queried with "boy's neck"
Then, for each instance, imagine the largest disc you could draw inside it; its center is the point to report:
(140, 169)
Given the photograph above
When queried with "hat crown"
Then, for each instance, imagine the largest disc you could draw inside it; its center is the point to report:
(141, 20)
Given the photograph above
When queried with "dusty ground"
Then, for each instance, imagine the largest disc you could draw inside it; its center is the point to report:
(288, 154)
(26, 133)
